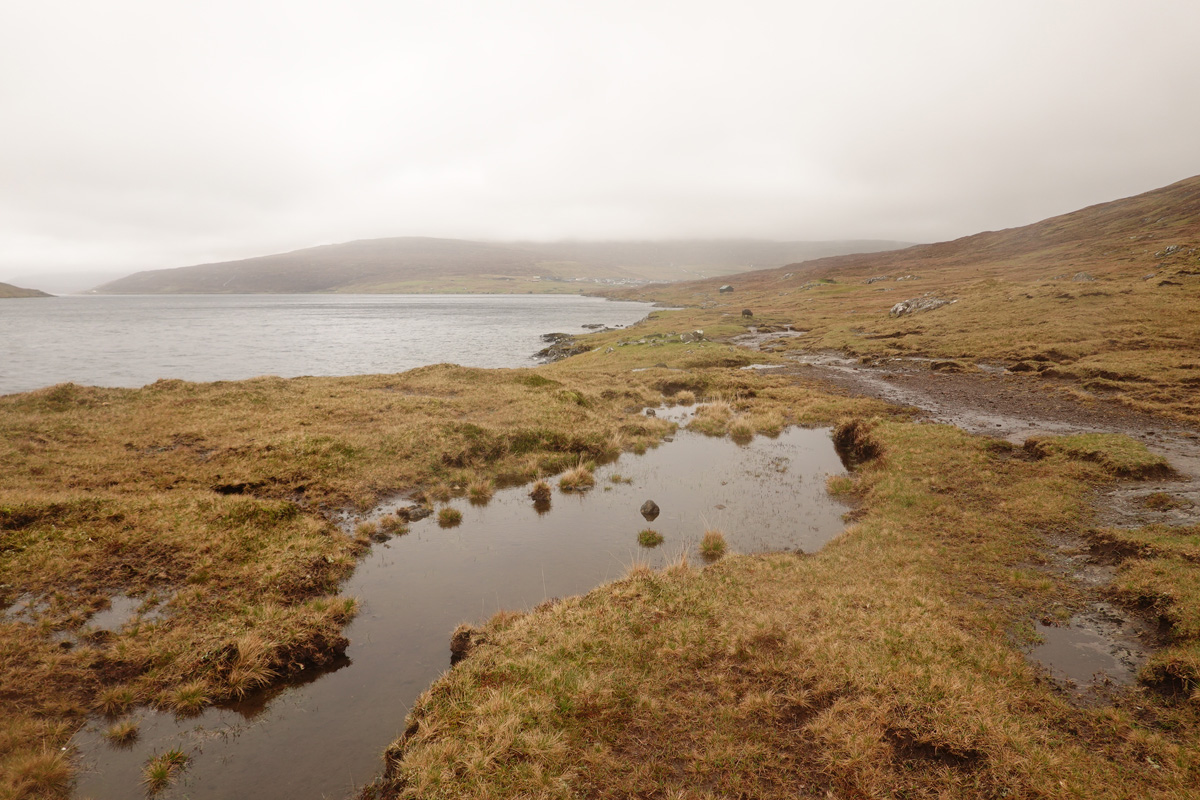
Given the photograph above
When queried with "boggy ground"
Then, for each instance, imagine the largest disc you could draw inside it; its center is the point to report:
(214, 509)
(893, 662)
(890, 664)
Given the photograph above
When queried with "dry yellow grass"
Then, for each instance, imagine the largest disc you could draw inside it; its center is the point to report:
(887, 665)
(211, 504)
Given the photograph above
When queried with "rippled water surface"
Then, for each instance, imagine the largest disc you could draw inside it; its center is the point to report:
(135, 340)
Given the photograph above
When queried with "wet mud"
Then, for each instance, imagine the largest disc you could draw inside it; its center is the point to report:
(324, 737)
(1101, 645)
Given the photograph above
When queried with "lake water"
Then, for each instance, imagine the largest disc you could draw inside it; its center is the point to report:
(325, 737)
(134, 340)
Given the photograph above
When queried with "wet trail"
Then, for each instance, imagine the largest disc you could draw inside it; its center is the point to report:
(1101, 644)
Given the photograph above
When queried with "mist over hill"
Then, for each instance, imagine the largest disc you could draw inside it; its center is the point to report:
(1140, 235)
(416, 264)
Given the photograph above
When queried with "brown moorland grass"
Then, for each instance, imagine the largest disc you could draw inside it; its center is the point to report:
(1131, 334)
(887, 665)
(211, 503)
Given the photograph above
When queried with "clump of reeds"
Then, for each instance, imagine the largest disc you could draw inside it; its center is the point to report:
(449, 516)
(617, 477)
(441, 493)
(685, 398)
(160, 770)
(712, 546)
(577, 479)
(650, 538)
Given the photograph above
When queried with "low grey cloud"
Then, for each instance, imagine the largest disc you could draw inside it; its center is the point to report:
(146, 134)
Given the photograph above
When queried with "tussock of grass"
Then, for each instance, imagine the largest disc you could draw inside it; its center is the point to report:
(480, 492)
(449, 516)
(649, 538)
(190, 698)
(577, 479)
(541, 492)
(712, 418)
(122, 732)
(392, 524)
(160, 771)
(712, 546)
(685, 397)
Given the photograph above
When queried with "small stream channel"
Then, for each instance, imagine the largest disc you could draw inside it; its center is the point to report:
(323, 738)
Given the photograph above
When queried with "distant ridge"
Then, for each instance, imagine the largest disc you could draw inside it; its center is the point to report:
(1137, 234)
(7, 290)
(409, 264)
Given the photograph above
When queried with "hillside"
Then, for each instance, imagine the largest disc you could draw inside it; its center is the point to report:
(1106, 299)
(416, 264)
(8, 290)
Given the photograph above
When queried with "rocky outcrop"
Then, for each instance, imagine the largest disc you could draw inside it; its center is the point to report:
(562, 345)
(918, 304)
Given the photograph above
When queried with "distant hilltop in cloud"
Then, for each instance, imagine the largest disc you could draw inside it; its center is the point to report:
(7, 290)
(418, 264)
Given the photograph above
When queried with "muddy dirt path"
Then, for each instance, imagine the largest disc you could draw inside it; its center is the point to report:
(1101, 644)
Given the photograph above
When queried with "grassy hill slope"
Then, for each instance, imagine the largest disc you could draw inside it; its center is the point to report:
(1106, 298)
(8, 290)
(418, 264)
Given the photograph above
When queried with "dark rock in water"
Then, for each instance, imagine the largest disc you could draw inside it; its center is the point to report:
(650, 510)
(726, 289)
(464, 640)
(414, 512)
(593, 326)
(650, 412)
(562, 345)
(747, 312)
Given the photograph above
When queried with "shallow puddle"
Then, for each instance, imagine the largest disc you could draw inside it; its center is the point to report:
(1097, 647)
(324, 738)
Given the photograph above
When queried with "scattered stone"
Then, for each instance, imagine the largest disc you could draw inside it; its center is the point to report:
(562, 345)
(907, 278)
(1149, 276)
(726, 289)
(918, 304)
(1082, 277)
(649, 510)
(693, 336)
(414, 512)
(878, 278)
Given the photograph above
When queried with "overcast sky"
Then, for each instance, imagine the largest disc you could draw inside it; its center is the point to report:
(141, 134)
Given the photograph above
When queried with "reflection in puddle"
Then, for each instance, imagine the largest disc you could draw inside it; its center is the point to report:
(1098, 646)
(323, 738)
